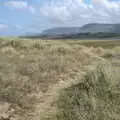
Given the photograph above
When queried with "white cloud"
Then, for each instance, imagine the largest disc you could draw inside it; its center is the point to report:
(78, 12)
(17, 4)
(3, 27)
(20, 5)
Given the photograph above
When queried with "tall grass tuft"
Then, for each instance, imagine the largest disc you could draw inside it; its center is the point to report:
(96, 98)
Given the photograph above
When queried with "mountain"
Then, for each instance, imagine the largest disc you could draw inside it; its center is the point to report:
(93, 30)
(61, 30)
(100, 28)
(88, 28)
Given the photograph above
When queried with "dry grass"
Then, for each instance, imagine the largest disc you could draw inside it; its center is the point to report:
(32, 71)
(96, 97)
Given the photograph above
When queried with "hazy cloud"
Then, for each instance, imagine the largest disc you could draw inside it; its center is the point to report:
(69, 11)
(19, 27)
(3, 27)
(20, 5)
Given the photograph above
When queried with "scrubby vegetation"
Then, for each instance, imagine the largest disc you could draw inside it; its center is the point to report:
(32, 72)
(96, 97)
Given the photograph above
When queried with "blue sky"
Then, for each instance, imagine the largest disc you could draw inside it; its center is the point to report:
(18, 17)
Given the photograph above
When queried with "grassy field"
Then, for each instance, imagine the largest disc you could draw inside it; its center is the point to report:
(96, 43)
(59, 80)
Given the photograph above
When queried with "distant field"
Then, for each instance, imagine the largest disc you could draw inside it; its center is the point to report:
(96, 43)
(89, 43)
(53, 79)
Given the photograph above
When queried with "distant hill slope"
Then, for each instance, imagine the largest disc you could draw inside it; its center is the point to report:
(88, 28)
(62, 30)
(93, 30)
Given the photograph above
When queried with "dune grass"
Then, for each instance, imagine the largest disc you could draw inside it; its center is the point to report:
(29, 70)
(97, 97)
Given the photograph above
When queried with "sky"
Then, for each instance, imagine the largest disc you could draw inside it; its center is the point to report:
(19, 17)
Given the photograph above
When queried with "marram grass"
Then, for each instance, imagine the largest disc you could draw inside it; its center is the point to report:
(96, 98)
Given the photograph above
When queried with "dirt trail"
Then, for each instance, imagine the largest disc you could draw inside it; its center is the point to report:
(46, 107)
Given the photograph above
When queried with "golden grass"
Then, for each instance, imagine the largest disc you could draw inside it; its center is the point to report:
(33, 71)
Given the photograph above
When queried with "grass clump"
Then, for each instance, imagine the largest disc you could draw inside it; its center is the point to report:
(96, 98)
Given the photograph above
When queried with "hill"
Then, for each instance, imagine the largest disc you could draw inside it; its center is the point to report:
(89, 31)
(88, 28)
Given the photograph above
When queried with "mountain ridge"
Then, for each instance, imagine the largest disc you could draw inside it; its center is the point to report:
(91, 30)
(87, 28)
